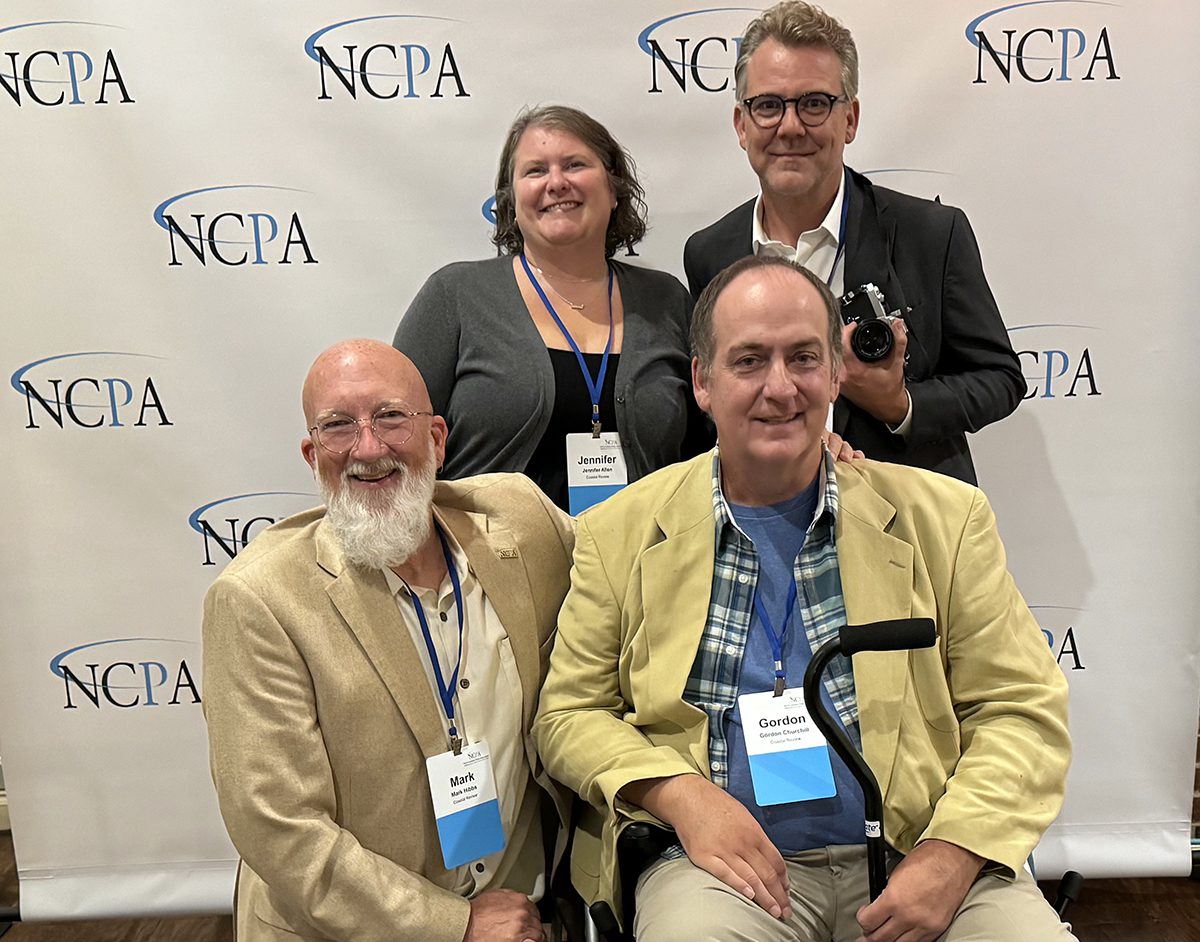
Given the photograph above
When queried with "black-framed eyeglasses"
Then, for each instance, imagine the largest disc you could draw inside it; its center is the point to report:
(812, 108)
(392, 424)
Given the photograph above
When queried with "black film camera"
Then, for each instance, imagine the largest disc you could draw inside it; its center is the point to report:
(865, 306)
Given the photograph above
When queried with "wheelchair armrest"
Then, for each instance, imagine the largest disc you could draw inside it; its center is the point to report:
(605, 922)
(638, 844)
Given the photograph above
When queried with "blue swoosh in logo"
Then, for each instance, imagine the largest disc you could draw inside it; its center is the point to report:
(161, 209)
(644, 36)
(56, 661)
(195, 515)
(8, 29)
(310, 44)
(974, 25)
(1013, 330)
(15, 381)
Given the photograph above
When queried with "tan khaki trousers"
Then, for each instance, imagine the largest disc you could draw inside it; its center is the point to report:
(679, 902)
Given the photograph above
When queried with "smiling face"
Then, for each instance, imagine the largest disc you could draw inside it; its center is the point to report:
(355, 379)
(561, 191)
(770, 383)
(794, 162)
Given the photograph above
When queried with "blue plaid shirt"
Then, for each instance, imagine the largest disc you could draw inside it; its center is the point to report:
(713, 683)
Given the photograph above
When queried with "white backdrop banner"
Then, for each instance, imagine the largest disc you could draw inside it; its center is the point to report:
(198, 198)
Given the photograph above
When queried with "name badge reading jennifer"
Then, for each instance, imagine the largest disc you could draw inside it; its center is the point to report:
(789, 758)
(465, 805)
(595, 469)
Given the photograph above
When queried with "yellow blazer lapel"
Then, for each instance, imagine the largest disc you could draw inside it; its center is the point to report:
(877, 585)
(676, 579)
(364, 602)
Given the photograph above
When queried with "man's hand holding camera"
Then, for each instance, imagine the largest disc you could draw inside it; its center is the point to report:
(873, 355)
(877, 387)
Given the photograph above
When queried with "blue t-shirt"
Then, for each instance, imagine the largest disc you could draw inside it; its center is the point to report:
(778, 532)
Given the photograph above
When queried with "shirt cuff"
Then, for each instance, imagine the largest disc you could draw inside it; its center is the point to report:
(906, 423)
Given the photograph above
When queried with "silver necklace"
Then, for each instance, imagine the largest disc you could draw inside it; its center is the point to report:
(567, 301)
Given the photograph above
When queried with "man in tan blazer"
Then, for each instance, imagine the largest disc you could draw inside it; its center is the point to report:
(322, 689)
(662, 638)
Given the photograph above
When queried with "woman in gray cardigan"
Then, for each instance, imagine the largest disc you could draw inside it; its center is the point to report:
(503, 343)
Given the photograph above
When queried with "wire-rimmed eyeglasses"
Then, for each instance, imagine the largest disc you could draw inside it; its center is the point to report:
(812, 108)
(392, 424)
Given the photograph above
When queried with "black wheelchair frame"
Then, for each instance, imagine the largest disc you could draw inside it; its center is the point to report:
(640, 843)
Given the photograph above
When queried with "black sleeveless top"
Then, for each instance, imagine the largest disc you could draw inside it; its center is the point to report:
(572, 413)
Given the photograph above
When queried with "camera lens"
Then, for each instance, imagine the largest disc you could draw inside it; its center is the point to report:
(872, 341)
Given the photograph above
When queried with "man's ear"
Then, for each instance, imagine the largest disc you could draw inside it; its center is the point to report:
(700, 385)
(439, 430)
(739, 124)
(308, 448)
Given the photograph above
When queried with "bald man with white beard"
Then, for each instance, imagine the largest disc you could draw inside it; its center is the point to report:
(406, 620)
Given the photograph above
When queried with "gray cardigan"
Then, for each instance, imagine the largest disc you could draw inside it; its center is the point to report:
(488, 372)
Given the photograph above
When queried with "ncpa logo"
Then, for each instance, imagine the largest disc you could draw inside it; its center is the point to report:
(99, 389)
(228, 524)
(393, 55)
(696, 49)
(60, 62)
(1058, 626)
(233, 225)
(1039, 41)
(124, 673)
(1060, 359)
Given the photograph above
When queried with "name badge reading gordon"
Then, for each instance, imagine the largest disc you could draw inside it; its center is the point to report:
(465, 804)
(789, 758)
(595, 468)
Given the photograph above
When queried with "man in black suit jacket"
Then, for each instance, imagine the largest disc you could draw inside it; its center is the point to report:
(952, 369)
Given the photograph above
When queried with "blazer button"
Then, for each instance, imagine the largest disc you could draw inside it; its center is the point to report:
(442, 616)
(621, 400)
(464, 683)
(479, 868)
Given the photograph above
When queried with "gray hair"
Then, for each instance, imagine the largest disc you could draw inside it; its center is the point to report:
(796, 23)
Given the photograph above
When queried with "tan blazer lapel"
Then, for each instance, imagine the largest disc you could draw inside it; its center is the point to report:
(877, 584)
(363, 601)
(496, 561)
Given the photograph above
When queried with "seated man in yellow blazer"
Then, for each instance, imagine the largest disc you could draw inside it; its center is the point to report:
(371, 671)
(699, 589)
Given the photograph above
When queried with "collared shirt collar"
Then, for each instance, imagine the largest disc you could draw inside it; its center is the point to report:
(827, 495)
(827, 232)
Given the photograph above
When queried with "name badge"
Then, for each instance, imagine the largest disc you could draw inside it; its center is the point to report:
(789, 758)
(465, 804)
(595, 469)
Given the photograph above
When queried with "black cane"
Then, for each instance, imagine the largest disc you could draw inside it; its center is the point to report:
(898, 635)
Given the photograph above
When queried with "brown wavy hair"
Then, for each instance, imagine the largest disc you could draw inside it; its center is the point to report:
(626, 226)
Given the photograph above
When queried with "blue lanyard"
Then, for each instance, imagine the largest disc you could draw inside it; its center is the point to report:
(445, 691)
(841, 227)
(777, 639)
(594, 386)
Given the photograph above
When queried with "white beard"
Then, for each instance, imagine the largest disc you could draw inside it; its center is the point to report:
(377, 531)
